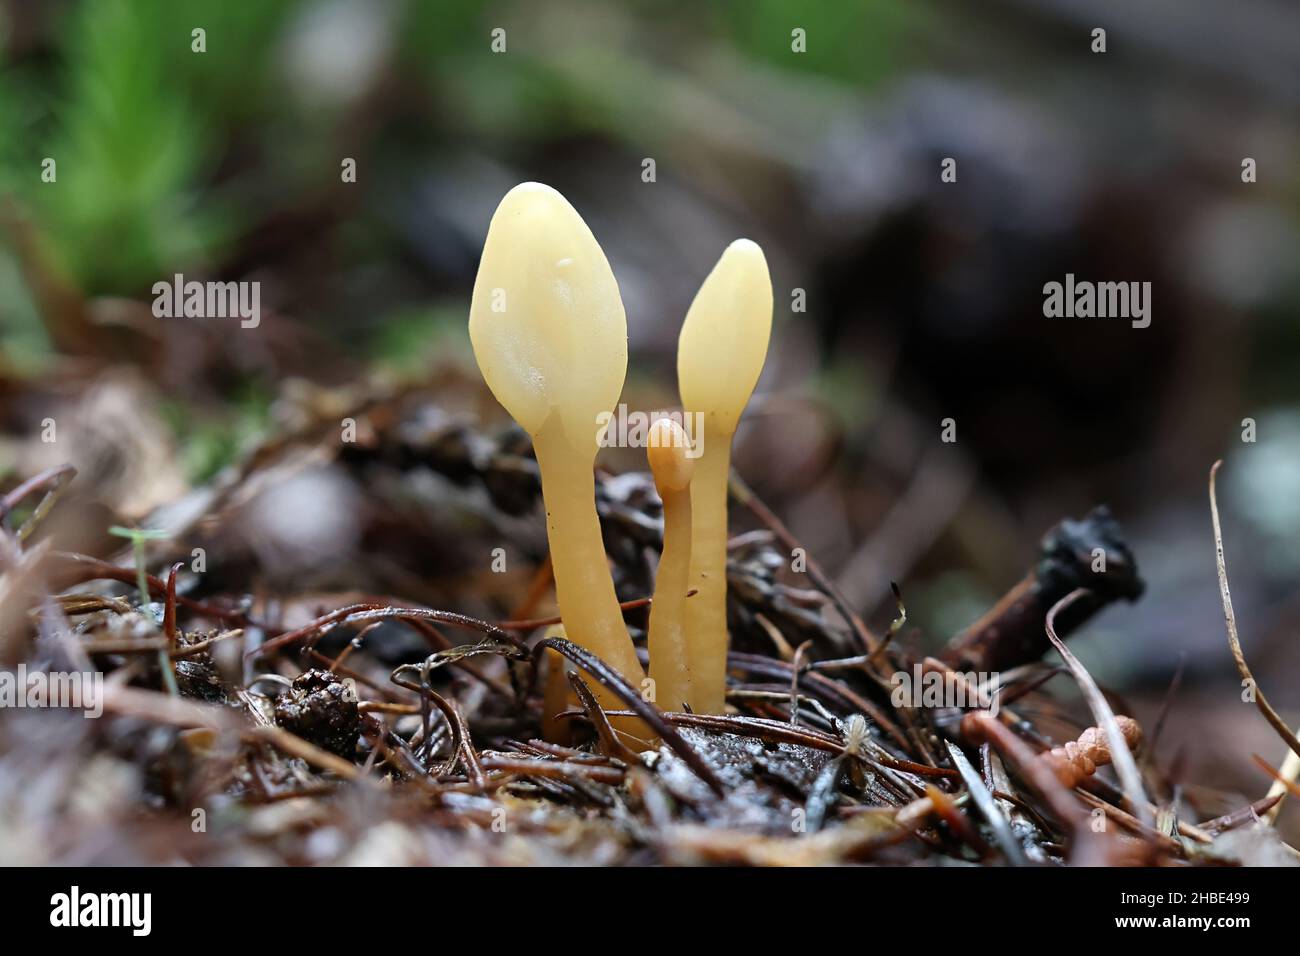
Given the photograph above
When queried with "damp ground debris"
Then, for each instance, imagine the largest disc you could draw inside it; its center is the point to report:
(267, 703)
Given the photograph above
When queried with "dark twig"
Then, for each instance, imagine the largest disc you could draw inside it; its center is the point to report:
(86, 568)
(169, 607)
(354, 613)
(533, 624)
(610, 679)
(1247, 814)
(1011, 632)
(814, 683)
(610, 745)
(462, 744)
(946, 810)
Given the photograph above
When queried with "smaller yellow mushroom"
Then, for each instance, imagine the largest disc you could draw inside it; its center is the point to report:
(668, 449)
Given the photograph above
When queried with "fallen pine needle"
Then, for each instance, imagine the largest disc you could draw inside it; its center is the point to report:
(1234, 642)
(1120, 754)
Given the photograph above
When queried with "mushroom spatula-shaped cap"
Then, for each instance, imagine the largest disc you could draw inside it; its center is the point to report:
(723, 342)
(546, 320)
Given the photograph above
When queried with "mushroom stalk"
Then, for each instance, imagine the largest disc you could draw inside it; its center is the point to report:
(556, 693)
(670, 665)
(583, 586)
(706, 611)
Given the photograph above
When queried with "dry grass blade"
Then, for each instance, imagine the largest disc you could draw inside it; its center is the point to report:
(1177, 681)
(1276, 774)
(895, 625)
(1135, 826)
(796, 668)
(1125, 766)
(1234, 642)
(295, 746)
(462, 652)
(55, 479)
(161, 709)
(1280, 788)
(987, 806)
(979, 727)
(821, 797)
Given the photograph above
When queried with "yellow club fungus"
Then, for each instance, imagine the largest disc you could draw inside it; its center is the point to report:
(720, 354)
(548, 330)
(668, 449)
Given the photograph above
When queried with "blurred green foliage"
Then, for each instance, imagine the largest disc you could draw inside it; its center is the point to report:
(859, 42)
(22, 336)
(169, 158)
(411, 340)
(145, 130)
(209, 440)
(138, 123)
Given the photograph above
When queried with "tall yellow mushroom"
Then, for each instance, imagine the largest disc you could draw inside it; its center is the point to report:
(668, 449)
(548, 330)
(720, 354)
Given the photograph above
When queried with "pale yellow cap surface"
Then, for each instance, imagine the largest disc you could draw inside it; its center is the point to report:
(546, 319)
(667, 448)
(723, 343)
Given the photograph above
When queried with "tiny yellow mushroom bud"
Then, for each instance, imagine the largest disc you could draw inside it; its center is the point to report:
(668, 449)
(558, 696)
(720, 355)
(550, 336)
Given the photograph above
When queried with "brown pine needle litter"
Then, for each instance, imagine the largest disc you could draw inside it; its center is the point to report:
(389, 720)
